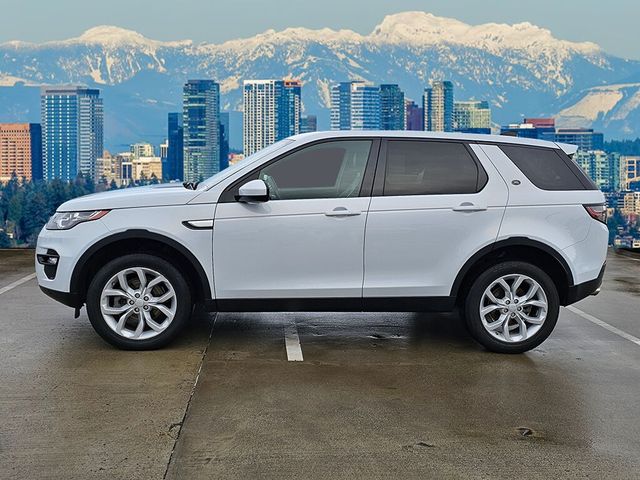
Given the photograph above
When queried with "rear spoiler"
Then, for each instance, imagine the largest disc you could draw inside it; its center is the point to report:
(568, 148)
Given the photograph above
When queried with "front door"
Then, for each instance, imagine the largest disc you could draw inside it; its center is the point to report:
(307, 241)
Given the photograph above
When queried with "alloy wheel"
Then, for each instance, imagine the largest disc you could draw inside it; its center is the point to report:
(138, 303)
(513, 308)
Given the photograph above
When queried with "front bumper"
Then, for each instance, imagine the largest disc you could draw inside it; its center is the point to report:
(576, 293)
(69, 299)
(68, 246)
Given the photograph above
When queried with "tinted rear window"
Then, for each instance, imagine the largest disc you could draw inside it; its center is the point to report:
(545, 167)
(429, 168)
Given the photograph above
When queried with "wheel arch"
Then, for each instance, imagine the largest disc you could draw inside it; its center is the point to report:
(516, 248)
(140, 241)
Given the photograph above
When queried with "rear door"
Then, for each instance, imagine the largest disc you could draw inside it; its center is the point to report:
(434, 204)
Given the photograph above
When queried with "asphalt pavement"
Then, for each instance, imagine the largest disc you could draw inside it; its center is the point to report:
(319, 395)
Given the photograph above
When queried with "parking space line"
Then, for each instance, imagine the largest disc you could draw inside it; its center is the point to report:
(17, 283)
(605, 325)
(292, 343)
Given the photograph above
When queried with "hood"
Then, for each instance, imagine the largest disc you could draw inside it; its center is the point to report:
(149, 196)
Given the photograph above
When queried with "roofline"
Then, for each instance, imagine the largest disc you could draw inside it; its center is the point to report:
(467, 137)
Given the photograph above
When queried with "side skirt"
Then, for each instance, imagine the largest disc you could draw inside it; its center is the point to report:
(382, 304)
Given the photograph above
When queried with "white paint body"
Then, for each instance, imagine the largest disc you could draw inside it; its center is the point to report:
(405, 246)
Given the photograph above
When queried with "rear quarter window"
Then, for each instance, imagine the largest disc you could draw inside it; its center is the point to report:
(547, 168)
(417, 167)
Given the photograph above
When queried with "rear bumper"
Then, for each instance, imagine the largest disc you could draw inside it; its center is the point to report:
(69, 299)
(583, 290)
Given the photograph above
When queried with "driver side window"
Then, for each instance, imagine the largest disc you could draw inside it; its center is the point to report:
(325, 170)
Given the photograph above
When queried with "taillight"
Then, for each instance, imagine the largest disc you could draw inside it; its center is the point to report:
(597, 212)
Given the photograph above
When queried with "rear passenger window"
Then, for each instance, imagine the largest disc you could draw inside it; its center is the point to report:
(544, 167)
(430, 168)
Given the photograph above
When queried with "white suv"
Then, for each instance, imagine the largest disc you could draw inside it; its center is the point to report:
(507, 229)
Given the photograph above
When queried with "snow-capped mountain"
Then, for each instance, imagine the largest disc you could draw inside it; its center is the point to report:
(521, 69)
(610, 108)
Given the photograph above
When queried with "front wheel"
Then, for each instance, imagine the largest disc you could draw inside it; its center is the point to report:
(512, 307)
(138, 302)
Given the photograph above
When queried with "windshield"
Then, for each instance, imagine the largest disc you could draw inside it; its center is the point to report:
(218, 177)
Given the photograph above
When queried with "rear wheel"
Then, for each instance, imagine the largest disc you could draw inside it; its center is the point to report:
(138, 302)
(512, 307)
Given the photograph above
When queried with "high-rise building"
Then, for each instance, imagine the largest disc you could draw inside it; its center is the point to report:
(260, 121)
(290, 121)
(437, 102)
(603, 168)
(164, 154)
(631, 203)
(414, 116)
(629, 172)
(72, 131)
(472, 117)
(308, 123)
(106, 169)
(142, 149)
(164, 149)
(201, 129)
(271, 112)
(584, 138)
(365, 107)
(125, 168)
(614, 171)
(341, 106)
(20, 151)
(392, 114)
(224, 140)
(174, 165)
(146, 168)
(355, 106)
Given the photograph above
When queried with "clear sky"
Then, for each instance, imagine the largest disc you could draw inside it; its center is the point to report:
(613, 24)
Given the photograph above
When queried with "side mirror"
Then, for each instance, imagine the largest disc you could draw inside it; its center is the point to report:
(253, 191)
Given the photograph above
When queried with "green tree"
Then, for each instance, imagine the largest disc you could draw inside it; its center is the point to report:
(35, 215)
(57, 193)
(5, 240)
(15, 213)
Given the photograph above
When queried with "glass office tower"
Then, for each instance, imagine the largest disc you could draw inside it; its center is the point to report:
(72, 131)
(201, 129)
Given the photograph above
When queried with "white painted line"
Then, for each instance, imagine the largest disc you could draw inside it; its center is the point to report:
(17, 283)
(292, 343)
(605, 325)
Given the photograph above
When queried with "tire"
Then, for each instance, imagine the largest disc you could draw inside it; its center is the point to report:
(513, 310)
(167, 318)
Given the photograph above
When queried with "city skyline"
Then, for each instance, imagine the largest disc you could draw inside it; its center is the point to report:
(276, 114)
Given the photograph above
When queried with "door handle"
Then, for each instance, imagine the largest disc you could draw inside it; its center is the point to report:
(469, 207)
(342, 212)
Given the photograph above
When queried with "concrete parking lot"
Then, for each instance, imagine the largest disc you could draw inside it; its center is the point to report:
(319, 395)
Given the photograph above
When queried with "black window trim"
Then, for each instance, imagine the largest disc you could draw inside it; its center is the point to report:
(229, 193)
(582, 177)
(381, 170)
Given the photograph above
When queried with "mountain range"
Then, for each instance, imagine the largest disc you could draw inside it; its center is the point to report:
(521, 69)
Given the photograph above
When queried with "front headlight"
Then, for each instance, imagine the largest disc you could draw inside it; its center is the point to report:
(67, 220)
